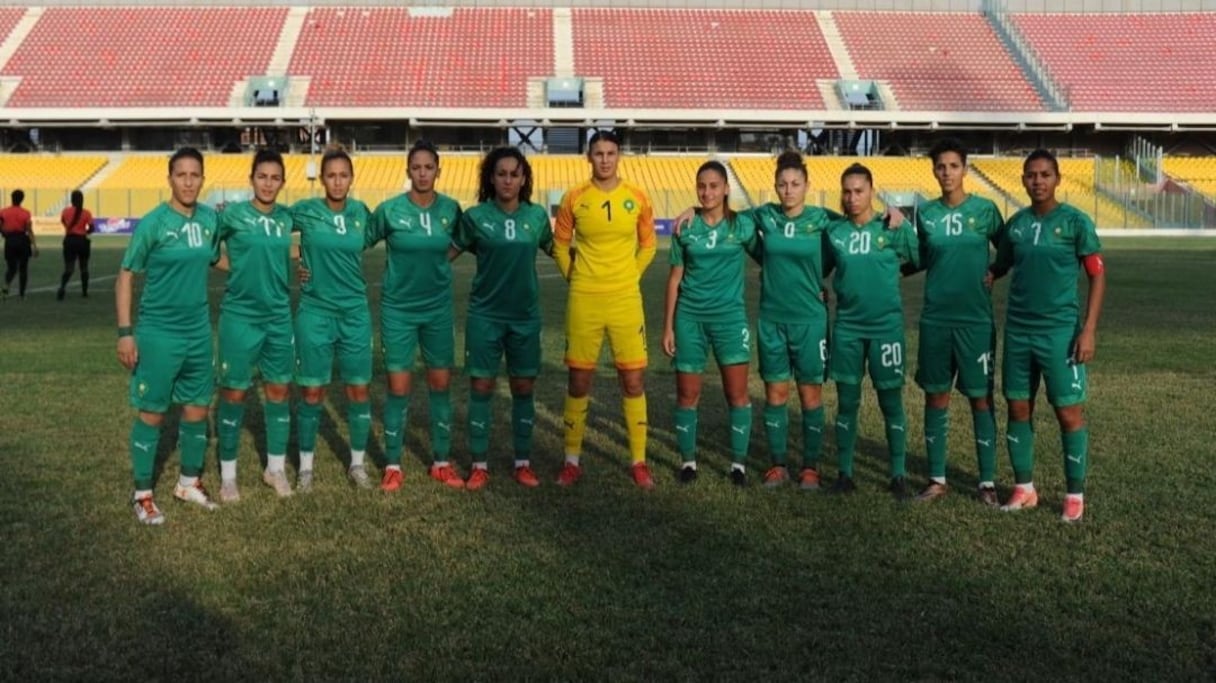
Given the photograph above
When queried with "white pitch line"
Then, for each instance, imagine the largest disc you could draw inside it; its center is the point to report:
(75, 281)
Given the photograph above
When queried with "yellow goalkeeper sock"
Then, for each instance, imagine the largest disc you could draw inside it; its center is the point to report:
(634, 408)
(575, 417)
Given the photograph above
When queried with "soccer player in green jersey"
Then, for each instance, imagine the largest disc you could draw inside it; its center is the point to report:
(169, 352)
(416, 310)
(957, 332)
(1046, 245)
(869, 327)
(705, 309)
(333, 315)
(255, 328)
(504, 231)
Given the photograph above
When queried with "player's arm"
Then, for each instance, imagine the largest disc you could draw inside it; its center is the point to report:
(563, 236)
(669, 312)
(545, 241)
(750, 236)
(648, 243)
(909, 267)
(29, 231)
(1089, 252)
(1004, 257)
(462, 237)
(684, 220)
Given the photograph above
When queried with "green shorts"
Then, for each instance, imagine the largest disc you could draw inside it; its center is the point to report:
(246, 344)
(487, 341)
(401, 334)
(1029, 355)
(172, 368)
(319, 334)
(731, 342)
(884, 353)
(798, 351)
(966, 352)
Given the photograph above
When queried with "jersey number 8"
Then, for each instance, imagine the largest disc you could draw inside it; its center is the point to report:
(509, 224)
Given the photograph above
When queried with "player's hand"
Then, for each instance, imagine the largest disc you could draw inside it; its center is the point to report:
(1085, 346)
(128, 354)
(989, 279)
(669, 343)
(895, 218)
(682, 220)
(304, 274)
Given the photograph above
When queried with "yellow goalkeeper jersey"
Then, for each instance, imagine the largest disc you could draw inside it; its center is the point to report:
(612, 234)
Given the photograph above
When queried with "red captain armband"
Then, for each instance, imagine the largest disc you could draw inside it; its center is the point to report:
(1093, 265)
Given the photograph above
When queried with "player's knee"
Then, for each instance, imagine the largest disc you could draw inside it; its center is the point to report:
(891, 402)
(312, 395)
(399, 383)
(1019, 411)
(356, 392)
(482, 385)
(152, 419)
(194, 413)
(1071, 418)
(522, 386)
(237, 395)
(578, 383)
(633, 383)
(777, 393)
(276, 393)
(438, 380)
(938, 401)
(981, 405)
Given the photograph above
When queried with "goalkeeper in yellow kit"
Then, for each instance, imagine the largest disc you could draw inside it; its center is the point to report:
(604, 240)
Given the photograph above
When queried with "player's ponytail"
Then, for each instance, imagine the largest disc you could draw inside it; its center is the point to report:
(421, 146)
(77, 207)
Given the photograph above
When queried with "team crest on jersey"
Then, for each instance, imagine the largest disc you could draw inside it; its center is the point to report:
(1059, 232)
(142, 388)
(881, 241)
(971, 221)
(630, 205)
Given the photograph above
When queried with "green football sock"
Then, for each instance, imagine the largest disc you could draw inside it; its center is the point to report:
(192, 440)
(984, 422)
(523, 417)
(1076, 458)
(143, 442)
(308, 421)
(359, 418)
(396, 412)
(777, 427)
(441, 424)
(812, 436)
(1020, 438)
(479, 425)
(686, 433)
(278, 426)
(937, 430)
(228, 431)
(848, 398)
(891, 403)
(740, 432)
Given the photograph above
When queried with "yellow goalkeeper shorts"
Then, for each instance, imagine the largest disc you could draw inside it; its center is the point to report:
(589, 316)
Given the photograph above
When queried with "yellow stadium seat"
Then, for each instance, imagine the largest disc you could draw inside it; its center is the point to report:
(46, 180)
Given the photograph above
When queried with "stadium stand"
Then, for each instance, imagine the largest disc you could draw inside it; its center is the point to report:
(141, 56)
(46, 180)
(1128, 62)
(937, 61)
(1198, 172)
(702, 59)
(9, 16)
(396, 57)
(1076, 188)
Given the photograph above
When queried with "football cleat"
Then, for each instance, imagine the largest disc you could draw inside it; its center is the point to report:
(687, 474)
(932, 492)
(229, 492)
(640, 472)
(146, 511)
(196, 494)
(808, 479)
(569, 474)
(526, 477)
(843, 485)
(988, 496)
(478, 478)
(446, 475)
(776, 476)
(277, 480)
(391, 480)
(358, 476)
(1022, 499)
(1074, 508)
(304, 481)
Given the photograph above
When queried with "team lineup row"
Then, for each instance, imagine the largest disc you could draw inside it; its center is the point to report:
(603, 240)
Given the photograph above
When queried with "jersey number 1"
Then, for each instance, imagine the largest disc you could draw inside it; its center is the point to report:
(607, 206)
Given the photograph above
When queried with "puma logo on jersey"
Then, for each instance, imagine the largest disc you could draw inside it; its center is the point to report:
(839, 243)
(407, 222)
(488, 226)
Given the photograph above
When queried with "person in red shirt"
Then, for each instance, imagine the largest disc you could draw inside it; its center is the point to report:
(17, 226)
(77, 225)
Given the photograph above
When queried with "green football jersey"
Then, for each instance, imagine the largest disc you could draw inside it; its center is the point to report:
(331, 248)
(1045, 253)
(505, 287)
(259, 260)
(954, 251)
(714, 258)
(791, 255)
(174, 252)
(418, 278)
(867, 259)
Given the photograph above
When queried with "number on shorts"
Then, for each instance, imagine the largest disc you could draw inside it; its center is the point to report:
(985, 361)
(340, 224)
(747, 339)
(425, 221)
(954, 224)
(789, 229)
(859, 243)
(892, 354)
(823, 350)
(194, 234)
(510, 228)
